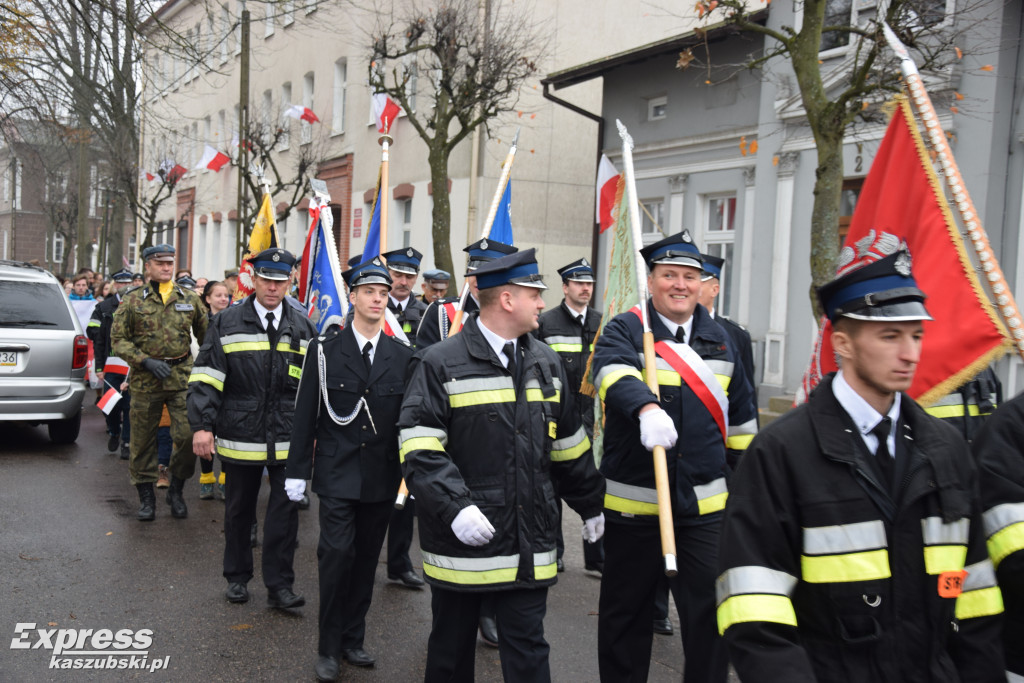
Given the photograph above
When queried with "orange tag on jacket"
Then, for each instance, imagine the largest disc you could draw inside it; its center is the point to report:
(951, 584)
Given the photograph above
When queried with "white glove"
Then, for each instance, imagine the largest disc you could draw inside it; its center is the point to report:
(593, 528)
(657, 429)
(294, 488)
(471, 527)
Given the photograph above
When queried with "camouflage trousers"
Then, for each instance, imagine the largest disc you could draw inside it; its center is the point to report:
(146, 409)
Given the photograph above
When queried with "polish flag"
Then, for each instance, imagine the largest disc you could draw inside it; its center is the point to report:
(212, 159)
(109, 400)
(607, 180)
(297, 111)
(385, 110)
(116, 366)
(176, 173)
(392, 327)
(148, 176)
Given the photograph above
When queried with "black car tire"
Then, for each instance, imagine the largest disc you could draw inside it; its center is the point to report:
(65, 431)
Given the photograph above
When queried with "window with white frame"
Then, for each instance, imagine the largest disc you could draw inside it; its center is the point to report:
(288, 12)
(198, 43)
(310, 5)
(6, 196)
(412, 72)
(58, 248)
(719, 240)
(269, 22)
(340, 88)
(653, 215)
(211, 40)
(657, 108)
(267, 116)
(18, 170)
(286, 122)
(238, 28)
(307, 101)
(407, 212)
(133, 248)
(225, 30)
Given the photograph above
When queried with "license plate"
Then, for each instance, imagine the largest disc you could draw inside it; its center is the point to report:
(8, 359)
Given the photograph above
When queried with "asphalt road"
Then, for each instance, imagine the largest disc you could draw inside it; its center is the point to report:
(73, 556)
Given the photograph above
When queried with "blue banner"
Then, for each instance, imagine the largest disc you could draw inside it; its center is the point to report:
(501, 229)
(372, 246)
(327, 304)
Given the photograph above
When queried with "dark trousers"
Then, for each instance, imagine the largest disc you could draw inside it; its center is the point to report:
(280, 526)
(400, 538)
(118, 423)
(593, 553)
(633, 565)
(451, 649)
(351, 536)
(146, 409)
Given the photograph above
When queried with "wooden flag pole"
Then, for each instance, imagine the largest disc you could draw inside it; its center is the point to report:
(1003, 295)
(668, 534)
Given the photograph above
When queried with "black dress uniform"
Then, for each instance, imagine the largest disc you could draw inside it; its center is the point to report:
(477, 433)
(114, 369)
(697, 472)
(999, 451)
(847, 534)
(243, 389)
(354, 466)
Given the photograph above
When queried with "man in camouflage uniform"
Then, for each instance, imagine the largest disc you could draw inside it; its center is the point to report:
(152, 332)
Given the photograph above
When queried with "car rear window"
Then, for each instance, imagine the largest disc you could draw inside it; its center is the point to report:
(33, 306)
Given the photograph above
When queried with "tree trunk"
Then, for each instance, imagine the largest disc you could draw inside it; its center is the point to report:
(828, 188)
(442, 212)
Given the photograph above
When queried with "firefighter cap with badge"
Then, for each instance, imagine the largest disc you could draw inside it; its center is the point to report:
(371, 272)
(519, 268)
(485, 250)
(405, 260)
(577, 271)
(879, 285)
(273, 264)
(674, 250)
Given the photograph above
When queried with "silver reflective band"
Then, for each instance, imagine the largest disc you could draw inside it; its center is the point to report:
(937, 532)
(209, 372)
(465, 386)
(713, 488)
(472, 564)
(1001, 516)
(569, 441)
(638, 493)
(844, 538)
(980, 575)
(752, 579)
(423, 432)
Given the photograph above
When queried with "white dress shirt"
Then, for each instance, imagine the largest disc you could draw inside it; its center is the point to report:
(863, 415)
(496, 342)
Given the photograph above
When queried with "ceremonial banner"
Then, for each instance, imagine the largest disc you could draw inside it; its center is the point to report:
(501, 229)
(263, 236)
(902, 201)
(325, 298)
(373, 247)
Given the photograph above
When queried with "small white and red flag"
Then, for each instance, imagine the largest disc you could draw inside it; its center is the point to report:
(297, 111)
(176, 173)
(213, 159)
(385, 110)
(109, 400)
(607, 181)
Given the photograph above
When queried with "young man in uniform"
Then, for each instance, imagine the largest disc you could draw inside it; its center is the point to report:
(569, 330)
(152, 332)
(110, 369)
(348, 405)
(488, 423)
(853, 547)
(241, 402)
(706, 404)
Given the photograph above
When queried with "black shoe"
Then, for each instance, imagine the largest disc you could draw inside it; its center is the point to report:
(125, 451)
(595, 567)
(560, 565)
(237, 592)
(407, 579)
(254, 538)
(112, 442)
(358, 657)
(147, 503)
(304, 503)
(663, 626)
(489, 631)
(326, 668)
(176, 498)
(285, 599)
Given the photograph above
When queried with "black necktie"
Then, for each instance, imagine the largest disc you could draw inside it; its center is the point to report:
(885, 461)
(367, 347)
(510, 352)
(271, 330)
(398, 309)
(680, 335)
(580, 320)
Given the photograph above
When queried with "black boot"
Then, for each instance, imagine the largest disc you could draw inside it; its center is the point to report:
(147, 503)
(175, 498)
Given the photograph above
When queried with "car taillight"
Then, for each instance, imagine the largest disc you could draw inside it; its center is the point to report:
(81, 356)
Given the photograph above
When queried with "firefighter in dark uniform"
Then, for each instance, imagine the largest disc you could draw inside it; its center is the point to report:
(403, 267)
(435, 285)
(999, 451)
(569, 330)
(109, 368)
(853, 547)
(152, 332)
(969, 406)
(706, 403)
(345, 439)
(742, 345)
(438, 317)
(488, 422)
(241, 405)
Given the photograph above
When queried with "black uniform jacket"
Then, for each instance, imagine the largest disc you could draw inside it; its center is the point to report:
(242, 390)
(357, 461)
(561, 330)
(826, 578)
(99, 330)
(410, 317)
(436, 322)
(697, 467)
(471, 437)
(742, 347)
(999, 450)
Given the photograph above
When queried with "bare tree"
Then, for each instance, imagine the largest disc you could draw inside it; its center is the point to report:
(473, 65)
(870, 71)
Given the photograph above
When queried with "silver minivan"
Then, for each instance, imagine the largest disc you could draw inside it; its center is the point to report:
(43, 352)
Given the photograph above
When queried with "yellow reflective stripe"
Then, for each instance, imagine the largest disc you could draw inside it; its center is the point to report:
(538, 395)
(567, 348)
(865, 566)
(247, 346)
(206, 379)
(724, 380)
(470, 578)
(739, 609)
(1005, 542)
(477, 398)
(94, 323)
(632, 507)
(286, 347)
(612, 374)
(421, 443)
(715, 503)
(669, 378)
(711, 496)
(980, 603)
(740, 442)
(944, 558)
(486, 570)
(570, 452)
(943, 412)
